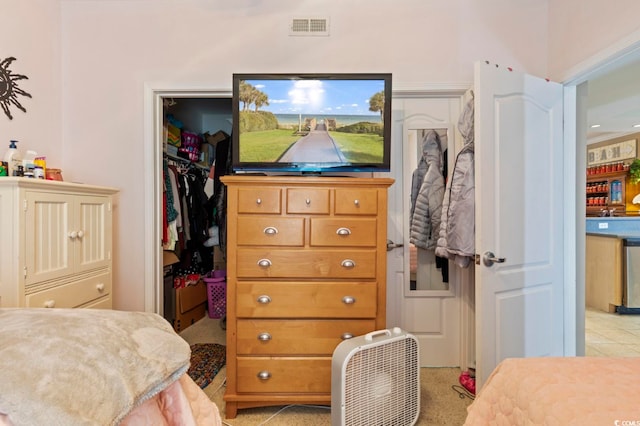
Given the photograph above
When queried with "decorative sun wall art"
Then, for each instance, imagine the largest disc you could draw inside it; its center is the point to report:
(9, 89)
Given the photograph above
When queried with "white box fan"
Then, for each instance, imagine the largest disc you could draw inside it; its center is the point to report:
(375, 380)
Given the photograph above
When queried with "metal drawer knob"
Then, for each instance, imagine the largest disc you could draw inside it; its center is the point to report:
(264, 375)
(348, 263)
(270, 230)
(259, 201)
(343, 231)
(264, 299)
(50, 304)
(307, 201)
(356, 202)
(346, 336)
(264, 337)
(348, 300)
(264, 263)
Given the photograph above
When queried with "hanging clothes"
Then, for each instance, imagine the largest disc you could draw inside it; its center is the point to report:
(426, 208)
(457, 228)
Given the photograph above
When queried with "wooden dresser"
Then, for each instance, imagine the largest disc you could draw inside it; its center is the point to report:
(56, 244)
(306, 268)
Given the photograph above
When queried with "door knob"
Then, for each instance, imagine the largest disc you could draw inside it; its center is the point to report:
(391, 245)
(488, 258)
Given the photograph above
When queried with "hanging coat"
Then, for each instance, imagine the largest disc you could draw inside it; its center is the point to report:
(457, 227)
(427, 207)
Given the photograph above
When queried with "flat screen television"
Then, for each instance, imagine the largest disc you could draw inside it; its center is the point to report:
(311, 123)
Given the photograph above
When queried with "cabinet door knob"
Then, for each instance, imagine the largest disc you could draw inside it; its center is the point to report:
(264, 375)
(348, 300)
(346, 336)
(264, 299)
(270, 230)
(264, 263)
(264, 337)
(73, 235)
(343, 231)
(50, 304)
(100, 287)
(80, 234)
(348, 264)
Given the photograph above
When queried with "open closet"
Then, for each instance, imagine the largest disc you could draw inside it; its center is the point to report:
(195, 141)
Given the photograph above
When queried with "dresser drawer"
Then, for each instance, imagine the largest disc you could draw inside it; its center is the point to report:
(356, 201)
(71, 295)
(354, 232)
(306, 300)
(259, 200)
(261, 263)
(270, 231)
(308, 200)
(297, 337)
(284, 375)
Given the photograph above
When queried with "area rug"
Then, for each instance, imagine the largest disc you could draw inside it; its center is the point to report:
(206, 360)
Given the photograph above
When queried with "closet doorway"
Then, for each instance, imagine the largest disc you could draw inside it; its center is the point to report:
(202, 110)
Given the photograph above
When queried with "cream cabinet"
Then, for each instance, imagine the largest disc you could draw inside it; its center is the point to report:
(306, 269)
(56, 244)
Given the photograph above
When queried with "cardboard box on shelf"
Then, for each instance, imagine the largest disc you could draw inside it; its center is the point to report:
(169, 258)
(191, 305)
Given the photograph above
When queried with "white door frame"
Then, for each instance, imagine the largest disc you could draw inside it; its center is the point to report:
(575, 83)
(154, 93)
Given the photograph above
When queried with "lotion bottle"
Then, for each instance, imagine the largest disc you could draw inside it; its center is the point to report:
(12, 157)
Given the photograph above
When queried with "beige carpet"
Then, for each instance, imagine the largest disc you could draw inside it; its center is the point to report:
(439, 403)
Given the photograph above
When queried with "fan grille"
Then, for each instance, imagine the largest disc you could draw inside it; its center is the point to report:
(382, 385)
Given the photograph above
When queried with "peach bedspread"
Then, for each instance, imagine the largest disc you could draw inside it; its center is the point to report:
(560, 391)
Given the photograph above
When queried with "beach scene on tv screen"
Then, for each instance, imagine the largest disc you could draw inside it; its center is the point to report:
(311, 121)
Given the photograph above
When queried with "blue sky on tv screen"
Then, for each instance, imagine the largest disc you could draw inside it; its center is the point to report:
(336, 97)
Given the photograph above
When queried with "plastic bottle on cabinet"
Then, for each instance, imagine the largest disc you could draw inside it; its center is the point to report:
(12, 158)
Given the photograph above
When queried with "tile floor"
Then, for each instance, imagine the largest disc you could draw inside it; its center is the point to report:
(611, 334)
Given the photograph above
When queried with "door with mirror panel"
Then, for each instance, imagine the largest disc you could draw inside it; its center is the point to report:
(423, 298)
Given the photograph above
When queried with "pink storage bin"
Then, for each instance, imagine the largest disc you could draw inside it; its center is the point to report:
(191, 143)
(216, 293)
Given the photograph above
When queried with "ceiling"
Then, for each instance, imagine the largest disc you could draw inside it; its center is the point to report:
(614, 103)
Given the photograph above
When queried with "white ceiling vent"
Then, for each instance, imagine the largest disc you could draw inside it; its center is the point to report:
(309, 27)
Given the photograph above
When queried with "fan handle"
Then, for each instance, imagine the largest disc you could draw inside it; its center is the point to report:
(369, 336)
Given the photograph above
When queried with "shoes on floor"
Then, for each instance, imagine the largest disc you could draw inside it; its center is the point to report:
(468, 382)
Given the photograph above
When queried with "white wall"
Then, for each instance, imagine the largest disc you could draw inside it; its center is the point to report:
(112, 48)
(29, 32)
(581, 30)
(88, 62)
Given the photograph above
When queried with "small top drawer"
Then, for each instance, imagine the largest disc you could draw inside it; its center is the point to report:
(308, 200)
(356, 201)
(259, 200)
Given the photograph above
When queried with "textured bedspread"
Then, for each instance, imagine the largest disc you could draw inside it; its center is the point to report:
(93, 367)
(560, 391)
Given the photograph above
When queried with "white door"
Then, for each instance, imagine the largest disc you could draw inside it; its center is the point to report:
(519, 217)
(421, 300)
